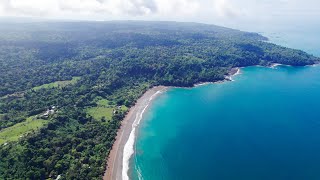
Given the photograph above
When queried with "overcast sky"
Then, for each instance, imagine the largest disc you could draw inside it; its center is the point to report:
(222, 12)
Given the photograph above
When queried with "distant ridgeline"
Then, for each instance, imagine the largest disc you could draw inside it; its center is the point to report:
(91, 73)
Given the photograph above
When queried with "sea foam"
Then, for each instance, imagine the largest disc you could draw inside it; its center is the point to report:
(129, 146)
(235, 74)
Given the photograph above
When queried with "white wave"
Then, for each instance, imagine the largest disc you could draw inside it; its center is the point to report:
(139, 174)
(128, 147)
(275, 65)
(238, 72)
(235, 74)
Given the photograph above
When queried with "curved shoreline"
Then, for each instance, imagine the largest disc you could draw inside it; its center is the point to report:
(122, 149)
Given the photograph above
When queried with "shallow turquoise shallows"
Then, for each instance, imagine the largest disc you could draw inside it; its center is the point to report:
(263, 125)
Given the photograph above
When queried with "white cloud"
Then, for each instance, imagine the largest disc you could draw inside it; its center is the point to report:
(225, 8)
(171, 7)
(225, 12)
(106, 8)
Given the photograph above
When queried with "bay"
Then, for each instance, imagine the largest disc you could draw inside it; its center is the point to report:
(263, 125)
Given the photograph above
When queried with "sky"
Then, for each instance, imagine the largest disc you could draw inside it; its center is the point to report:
(231, 13)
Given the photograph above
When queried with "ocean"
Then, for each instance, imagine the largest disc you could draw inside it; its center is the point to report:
(263, 125)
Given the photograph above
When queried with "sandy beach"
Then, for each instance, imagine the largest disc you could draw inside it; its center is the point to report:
(118, 160)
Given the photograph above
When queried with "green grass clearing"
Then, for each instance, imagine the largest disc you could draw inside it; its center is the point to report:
(104, 109)
(104, 102)
(98, 112)
(57, 84)
(124, 108)
(13, 133)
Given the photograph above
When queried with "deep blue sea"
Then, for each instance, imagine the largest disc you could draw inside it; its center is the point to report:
(263, 125)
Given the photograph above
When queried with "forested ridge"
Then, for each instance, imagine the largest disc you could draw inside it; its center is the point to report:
(60, 72)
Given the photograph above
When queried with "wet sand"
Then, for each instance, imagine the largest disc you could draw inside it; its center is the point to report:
(121, 150)
(116, 157)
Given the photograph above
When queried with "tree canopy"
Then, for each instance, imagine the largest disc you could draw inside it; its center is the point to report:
(111, 61)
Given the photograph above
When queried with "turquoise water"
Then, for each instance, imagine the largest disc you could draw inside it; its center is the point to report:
(263, 125)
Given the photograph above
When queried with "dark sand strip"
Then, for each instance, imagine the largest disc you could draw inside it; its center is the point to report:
(115, 159)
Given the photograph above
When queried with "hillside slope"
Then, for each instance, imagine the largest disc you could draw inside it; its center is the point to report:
(109, 62)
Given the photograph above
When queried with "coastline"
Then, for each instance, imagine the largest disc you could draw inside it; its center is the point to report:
(233, 72)
(122, 149)
(274, 65)
(155, 157)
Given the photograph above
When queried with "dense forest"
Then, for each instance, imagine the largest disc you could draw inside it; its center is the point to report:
(66, 86)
